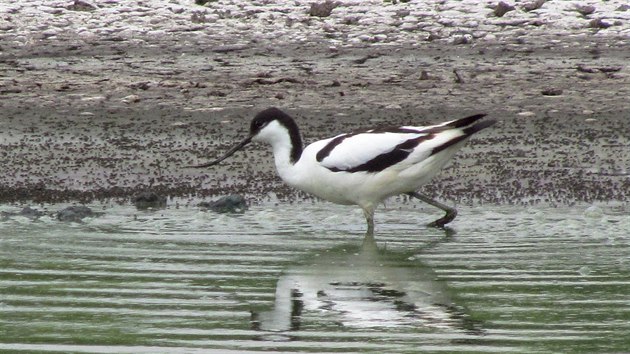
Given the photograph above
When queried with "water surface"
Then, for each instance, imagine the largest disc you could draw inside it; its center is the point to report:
(293, 278)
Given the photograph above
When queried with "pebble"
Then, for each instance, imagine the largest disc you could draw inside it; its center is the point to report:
(149, 200)
(534, 5)
(27, 212)
(93, 99)
(51, 10)
(233, 203)
(380, 37)
(551, 92)
(131, 99)
(280, 21)
(600, 23)
(75, 213)
(593, 211)
(462, 39)
(502, 8)
(408, 26)
(585, 10)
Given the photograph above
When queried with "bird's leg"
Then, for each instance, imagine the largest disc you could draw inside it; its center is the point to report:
(369, 217)
(369, 241)
(451, 213)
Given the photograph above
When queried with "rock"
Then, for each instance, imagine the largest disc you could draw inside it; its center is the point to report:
(534, 5)
(402, 13)
(551, 92)
(458, 77)
(203, 2)
(51, 10)
(233, 203)
(230, 48)
(75, 213)
(585, 69)
(502, 8)
(31, 213)
(149, 200)
(610, 69)
(198, 17)
(26, 212)
(461, 39)
(593, 211)
(585, 10)
(366, 58)
(599, 23)
(409, 26)
(82, 5)
(350, 20)
(131, 99)
(380, 37)
(94, 99)
(322, 9)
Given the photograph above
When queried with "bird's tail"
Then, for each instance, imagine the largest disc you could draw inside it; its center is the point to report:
(469, 124)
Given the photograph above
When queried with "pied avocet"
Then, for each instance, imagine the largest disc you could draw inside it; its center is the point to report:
(363, 167)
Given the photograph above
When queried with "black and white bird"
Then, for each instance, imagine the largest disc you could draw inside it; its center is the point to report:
(363, 167)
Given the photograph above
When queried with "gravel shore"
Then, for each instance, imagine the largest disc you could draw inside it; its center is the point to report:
(101, 100)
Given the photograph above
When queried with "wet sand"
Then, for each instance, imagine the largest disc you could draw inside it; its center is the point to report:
(109, 118)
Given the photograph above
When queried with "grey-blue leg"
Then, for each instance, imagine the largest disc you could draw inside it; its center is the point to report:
(451, 213)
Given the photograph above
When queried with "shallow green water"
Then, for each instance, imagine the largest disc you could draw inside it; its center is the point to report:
(292, 278)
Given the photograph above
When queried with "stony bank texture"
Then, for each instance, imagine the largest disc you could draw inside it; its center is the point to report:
(108, 98)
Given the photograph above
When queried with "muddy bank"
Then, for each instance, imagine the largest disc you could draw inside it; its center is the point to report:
(111, 117)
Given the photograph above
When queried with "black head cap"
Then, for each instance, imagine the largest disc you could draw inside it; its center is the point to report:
(270, 114)
(267, 116)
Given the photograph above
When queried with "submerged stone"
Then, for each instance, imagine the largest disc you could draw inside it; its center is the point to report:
(30, 213)
(75, 213)
(232, 203)
(26, 212)
(149, 200)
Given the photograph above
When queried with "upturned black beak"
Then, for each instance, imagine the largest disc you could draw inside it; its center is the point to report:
(227, 154)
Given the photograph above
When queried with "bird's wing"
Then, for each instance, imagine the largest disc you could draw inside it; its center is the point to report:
(377, 149)
(370, 151)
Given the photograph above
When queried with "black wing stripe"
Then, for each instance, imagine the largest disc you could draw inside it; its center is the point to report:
(467, 133)
(479, 126)
(388, 159)
(326, 150)
(448, 144)
(464, 122)
(402, 150)
(396, 130)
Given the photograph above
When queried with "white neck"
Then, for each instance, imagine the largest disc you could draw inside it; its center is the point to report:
(278, 136)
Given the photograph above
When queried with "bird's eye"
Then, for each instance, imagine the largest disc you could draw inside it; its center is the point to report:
(257, 125)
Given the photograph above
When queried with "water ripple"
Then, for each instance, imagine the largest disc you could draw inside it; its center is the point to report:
(287, 279)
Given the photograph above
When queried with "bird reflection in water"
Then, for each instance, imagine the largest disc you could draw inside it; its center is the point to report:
(362, 288)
